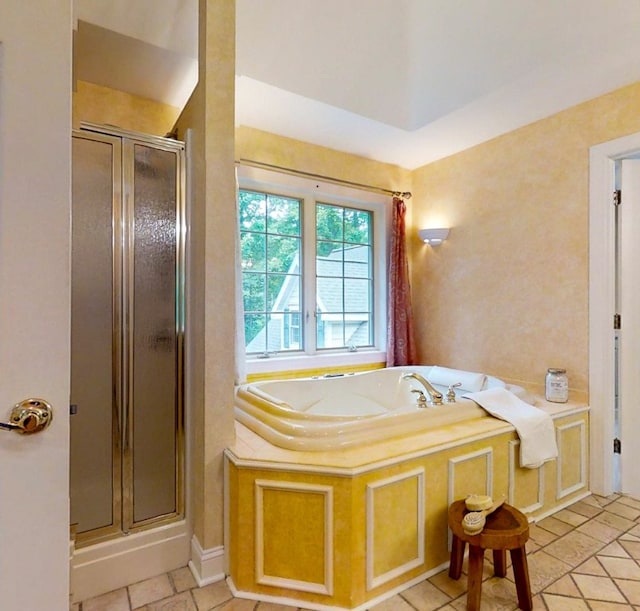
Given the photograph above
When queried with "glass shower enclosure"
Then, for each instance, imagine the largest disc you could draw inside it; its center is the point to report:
(127, 321)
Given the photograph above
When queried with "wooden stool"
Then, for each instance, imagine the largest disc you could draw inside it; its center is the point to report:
(506, 529)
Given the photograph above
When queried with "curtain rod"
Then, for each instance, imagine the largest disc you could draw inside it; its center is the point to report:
(329, 179)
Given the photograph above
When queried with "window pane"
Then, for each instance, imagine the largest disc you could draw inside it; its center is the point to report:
(279, 288)
(253, 251)
(285, 293)
(283, 254)
(255, 332)
(329, 222)
(296, 330)
(253, 291)
(331, 266)
(283, 215)
(357, 226)
(330, 249)
(357, 295)
(330, 330)
(358, 330)
(291, 334)
(253, 208)
(357, 262)
(329, 294)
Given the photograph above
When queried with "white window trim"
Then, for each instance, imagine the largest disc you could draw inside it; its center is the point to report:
(303, 188)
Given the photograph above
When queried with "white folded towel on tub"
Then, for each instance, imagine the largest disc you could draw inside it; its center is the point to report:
(534, 426)
(443, 376)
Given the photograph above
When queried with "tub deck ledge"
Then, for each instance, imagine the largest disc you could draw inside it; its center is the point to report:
(250, 448)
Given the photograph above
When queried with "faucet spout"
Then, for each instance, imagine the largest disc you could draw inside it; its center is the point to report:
(435, 396)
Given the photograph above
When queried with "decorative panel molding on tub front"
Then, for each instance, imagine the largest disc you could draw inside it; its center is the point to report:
(395, 526)
(572, 465)
(347, 528)
(471, 474)
(526, 486)
(294, 536)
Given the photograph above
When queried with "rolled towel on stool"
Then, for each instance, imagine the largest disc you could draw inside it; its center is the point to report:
(478, 502)
(469, 380)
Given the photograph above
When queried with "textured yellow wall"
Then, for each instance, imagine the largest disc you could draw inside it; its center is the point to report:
(104, 106)
(507, 293)
(269, 148)
(209, 116)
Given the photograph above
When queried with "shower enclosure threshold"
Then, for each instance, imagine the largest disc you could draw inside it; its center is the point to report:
(110, 565)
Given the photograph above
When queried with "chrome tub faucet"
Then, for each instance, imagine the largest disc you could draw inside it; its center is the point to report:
(435, 396)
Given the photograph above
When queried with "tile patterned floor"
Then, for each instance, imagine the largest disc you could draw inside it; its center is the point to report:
(585, 557)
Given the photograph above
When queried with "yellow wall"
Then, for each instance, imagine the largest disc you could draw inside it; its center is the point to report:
(209, 116)
(104, 106)
(265, 147)
(507, 293)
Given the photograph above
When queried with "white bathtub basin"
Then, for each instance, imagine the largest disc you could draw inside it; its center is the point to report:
(348, 411)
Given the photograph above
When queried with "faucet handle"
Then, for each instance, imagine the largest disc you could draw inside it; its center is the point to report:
(422, 400)
(451, 395)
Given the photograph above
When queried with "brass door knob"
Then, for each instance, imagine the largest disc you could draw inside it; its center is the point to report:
(29, 416)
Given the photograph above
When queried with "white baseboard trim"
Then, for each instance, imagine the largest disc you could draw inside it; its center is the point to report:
(110, 565)
(283, 600)
(557, 508)
(207, 565)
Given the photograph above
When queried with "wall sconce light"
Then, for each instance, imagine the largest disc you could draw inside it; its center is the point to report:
(434, 237)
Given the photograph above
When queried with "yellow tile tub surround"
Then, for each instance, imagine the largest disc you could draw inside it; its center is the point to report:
(348, 528)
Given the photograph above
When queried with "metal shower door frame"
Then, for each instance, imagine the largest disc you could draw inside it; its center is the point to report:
(123, 240)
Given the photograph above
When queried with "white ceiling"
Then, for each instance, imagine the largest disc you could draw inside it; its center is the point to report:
(401, 81)
(145, 47)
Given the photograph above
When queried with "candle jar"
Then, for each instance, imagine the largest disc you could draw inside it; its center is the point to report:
(556, 385)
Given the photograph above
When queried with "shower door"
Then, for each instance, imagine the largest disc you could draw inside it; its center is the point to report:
(127, 324)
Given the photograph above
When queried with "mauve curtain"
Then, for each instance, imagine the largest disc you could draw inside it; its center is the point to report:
(400, 344)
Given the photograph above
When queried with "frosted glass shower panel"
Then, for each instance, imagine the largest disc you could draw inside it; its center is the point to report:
(154, 327)
(127, 327)
(92, 335)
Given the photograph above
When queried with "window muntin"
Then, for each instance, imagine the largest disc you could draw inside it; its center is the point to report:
(271, 247)
(344, 277)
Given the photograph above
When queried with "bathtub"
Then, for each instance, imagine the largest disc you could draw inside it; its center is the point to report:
(351, 410)
(352, 507)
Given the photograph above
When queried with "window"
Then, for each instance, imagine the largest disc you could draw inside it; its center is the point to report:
(313, 266)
